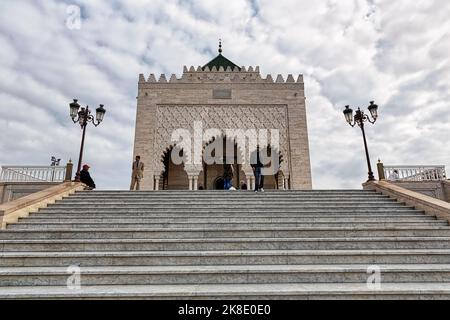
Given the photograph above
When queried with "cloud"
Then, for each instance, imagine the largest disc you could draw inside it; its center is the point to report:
(351, 52)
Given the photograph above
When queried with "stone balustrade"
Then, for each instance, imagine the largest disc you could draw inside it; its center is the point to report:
(33, 174)
(414, 173)
(427, 180)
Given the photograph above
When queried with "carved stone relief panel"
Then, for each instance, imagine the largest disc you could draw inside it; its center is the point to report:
(222, 117)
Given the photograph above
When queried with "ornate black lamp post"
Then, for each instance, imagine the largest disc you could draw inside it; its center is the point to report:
(358, 119)
(83, 117)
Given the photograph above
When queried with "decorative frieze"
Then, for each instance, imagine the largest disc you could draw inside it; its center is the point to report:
(221, 117)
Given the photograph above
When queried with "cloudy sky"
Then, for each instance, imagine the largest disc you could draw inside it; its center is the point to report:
(350, 52)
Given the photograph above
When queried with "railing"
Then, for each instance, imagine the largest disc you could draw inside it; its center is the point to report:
(32, 174)
(414, 173)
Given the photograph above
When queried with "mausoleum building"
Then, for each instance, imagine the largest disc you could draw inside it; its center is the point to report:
(221, 102)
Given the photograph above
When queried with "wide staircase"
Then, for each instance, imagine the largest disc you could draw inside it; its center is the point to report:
(226, 245)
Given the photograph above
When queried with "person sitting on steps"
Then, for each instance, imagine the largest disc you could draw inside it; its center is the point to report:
(85, 178)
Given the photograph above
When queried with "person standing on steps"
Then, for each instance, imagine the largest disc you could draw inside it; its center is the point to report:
(228, 173)
(137, 174)
(85, 177)
(257, 168)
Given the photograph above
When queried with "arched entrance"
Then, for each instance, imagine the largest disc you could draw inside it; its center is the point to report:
(218, 183)
(211, 177)
(273, 180)
(174, 176)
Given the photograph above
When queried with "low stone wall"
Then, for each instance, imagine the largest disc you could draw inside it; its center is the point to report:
(10, 191)
(433, 189)
(12, 211)
(446, 185)
(435, 207)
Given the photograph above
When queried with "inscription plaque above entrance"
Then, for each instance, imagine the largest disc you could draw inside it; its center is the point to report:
(222, 94)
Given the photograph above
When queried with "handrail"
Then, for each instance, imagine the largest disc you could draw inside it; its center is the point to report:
(38, 167)
(430, 205)
(10, 175)
(33, 173)
(10, 212)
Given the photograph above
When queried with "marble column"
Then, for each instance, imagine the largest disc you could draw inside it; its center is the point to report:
(195, 183)
(253, 183)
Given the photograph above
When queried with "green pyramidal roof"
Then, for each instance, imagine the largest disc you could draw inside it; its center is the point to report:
(220, 61)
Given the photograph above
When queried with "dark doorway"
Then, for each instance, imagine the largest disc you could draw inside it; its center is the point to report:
(218, 184)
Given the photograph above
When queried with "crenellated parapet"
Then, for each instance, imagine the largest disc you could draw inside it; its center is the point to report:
(220, 75)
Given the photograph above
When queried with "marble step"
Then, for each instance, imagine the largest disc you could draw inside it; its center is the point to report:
(230, 212)
(32, 219)
(130, 244)
(255, 198)
(225, 209)
(189, 225)
(235, 257)
(165, 233)
(213, 205)
(258, 199)
(272, 291)
(226, 274)
(220, 217)
(225, 193)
